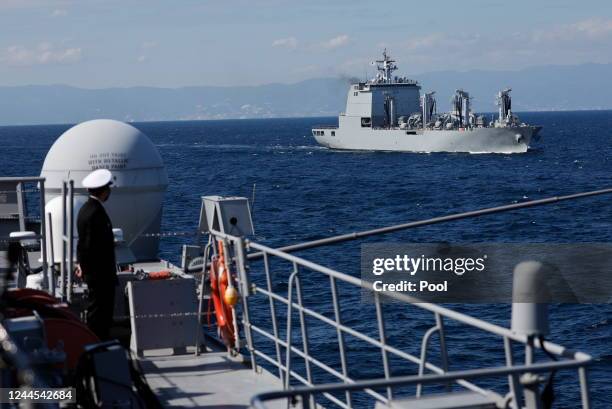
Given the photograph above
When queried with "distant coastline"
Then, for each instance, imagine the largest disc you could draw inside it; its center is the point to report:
(326, 119)
(586, 87)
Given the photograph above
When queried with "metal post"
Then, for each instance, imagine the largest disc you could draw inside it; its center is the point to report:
(241, 265)
(423, 360)
(274, 319)
(383, 341)
(529, 350)
(530, 381)
(513, 380)
(443, 349)
(21, 206)
(201, 296)
(50, 283)
(70, 237)
(244, 292)
(334, 291)
(303, 325)
(52, 250)
(289, 318)
(584, 388)
(63, 261)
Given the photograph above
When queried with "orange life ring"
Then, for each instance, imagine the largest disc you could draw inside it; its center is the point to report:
(219, 284)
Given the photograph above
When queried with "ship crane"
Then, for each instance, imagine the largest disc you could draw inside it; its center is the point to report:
(461, 107)
(504, 101)
(428, 104)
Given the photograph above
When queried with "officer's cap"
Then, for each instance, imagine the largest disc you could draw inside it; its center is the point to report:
(97, 179)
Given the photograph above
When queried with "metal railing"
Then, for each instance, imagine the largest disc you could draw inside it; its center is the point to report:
(66, 232)
(20, 181)
(293, 301)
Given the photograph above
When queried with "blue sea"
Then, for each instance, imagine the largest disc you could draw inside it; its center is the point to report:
(304, 192)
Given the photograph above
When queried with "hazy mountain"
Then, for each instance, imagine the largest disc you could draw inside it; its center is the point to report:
(587, 86)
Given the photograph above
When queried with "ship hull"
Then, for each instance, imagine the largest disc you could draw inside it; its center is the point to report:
(478, 140)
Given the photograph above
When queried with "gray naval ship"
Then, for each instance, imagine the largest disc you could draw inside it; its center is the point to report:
(388, 113)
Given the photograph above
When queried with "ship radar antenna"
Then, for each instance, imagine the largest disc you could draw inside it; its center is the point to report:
(385, 68)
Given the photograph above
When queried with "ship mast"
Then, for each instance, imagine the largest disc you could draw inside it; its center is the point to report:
(385, 68)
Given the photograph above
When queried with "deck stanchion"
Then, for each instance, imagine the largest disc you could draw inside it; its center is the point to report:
(70, 238)
(52, 255)
(383, 341)
(274, 318)
(443, 349)
(303, 326)
(201, 296)
(49, 279)
(513, 380)
(63, 261)
(334, 291)
(238, 245)
(289, 338)
(584, 388)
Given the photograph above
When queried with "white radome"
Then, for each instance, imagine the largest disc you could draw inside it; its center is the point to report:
(138, 174)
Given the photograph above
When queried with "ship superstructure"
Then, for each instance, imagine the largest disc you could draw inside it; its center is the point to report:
(388, 113)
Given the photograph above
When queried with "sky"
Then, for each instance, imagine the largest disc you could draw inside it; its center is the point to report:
(176, 43)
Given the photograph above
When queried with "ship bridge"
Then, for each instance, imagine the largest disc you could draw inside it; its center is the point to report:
(378, 102)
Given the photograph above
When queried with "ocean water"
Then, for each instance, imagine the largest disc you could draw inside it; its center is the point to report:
(303, 192)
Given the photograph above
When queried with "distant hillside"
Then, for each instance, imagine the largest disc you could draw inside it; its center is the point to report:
(587, 86)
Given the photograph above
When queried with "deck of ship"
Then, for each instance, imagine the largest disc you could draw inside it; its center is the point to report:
(211, 380)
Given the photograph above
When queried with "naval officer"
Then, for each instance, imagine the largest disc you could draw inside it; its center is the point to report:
(96, 253)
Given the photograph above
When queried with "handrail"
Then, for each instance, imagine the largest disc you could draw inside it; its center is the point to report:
(286, 373)
(257, 400)
(22, 179)
(457, 316)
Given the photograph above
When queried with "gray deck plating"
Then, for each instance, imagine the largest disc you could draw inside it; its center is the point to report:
(211, 380)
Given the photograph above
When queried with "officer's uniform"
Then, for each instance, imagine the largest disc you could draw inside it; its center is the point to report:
(96, 256)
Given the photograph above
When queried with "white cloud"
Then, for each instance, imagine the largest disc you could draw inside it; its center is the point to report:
(583, 41)
(289, 42)
(427, 41)
(593, 29)
(336, 42)
(59, 13)
(44, 53)
(149, 44)
(142, 58)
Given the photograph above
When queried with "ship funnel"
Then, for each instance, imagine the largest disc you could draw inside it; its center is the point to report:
(529, 312)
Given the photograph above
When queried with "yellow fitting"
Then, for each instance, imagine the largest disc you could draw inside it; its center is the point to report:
(231, 296)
